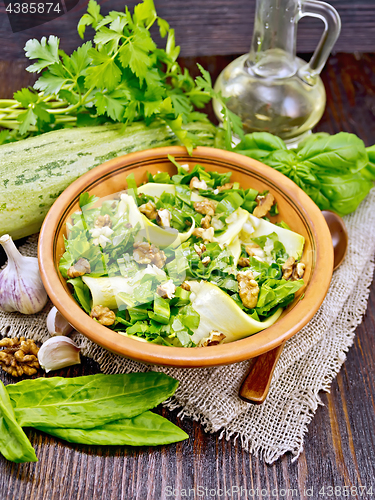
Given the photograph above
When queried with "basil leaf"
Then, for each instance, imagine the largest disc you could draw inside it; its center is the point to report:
(311, 138)
(260, 141)
(336, 154)
(88, 401)
(14, 444)
(287, 163)
(147, 429)
(369, 171)
(345, 192)
(318, 197)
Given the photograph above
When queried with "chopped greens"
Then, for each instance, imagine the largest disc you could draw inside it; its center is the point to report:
(151, 249)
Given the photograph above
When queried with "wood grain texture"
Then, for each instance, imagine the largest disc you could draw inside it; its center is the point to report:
(339, 447)
(205, 27)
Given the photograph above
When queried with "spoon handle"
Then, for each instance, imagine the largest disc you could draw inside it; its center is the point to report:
(254, 388)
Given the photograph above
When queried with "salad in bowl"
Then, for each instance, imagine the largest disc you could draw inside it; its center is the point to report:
(189, 259)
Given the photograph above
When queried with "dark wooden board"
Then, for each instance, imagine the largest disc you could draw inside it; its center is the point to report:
(205, 27)
(339, 447)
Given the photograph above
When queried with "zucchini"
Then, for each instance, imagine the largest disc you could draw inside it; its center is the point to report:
(35, 171)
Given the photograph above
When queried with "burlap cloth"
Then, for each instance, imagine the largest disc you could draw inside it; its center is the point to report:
(308, 364)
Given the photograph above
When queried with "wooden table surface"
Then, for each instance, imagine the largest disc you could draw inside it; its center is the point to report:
(340, 445)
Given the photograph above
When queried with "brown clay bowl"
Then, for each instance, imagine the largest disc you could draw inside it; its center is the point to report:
(295, 208)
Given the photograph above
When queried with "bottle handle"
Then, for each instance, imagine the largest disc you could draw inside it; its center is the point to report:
(332, 26)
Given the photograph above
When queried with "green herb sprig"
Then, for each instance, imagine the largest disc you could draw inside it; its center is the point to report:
(119, 76)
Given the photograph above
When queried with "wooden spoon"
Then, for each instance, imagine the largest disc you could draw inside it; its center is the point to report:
(255, 386)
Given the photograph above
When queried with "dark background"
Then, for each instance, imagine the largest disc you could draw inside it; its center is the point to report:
(205, 27)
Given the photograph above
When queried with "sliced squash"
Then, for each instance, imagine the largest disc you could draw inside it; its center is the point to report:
(235, 249)
(235, 222)
(219, 312)
(105, 290)
(156, 189)
(293, 242)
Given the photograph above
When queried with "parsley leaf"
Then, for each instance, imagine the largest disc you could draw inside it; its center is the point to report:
(120, 75)
(45, 52)
(111, 104)
(26, 96)
(92, 18)
(134, 53)
(27, 118)
(105, 72)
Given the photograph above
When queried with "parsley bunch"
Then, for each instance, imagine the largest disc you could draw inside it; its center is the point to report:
(120, 76)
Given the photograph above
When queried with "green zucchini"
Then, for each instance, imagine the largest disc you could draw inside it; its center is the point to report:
(35, 171)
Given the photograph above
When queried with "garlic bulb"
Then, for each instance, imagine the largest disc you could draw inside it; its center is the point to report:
(58, 352)
(21, 287)
(57, 324)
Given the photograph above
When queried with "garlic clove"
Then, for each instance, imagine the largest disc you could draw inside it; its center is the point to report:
(21, 287)
(57, 324)
(58, 352)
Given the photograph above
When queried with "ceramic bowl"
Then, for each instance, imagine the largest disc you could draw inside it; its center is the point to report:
(295, 208)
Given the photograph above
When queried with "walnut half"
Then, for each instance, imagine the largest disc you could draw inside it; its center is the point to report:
(206, 222)
(215, 338)
(244, 262)
(293, 270)
(228, 185)
(205, 207)
(207, 235)
(81, 267)
(264, 205)
(149, 210)
(103, 220)
(104, 315)
(144, 253)
(248, 289)
(19, 356)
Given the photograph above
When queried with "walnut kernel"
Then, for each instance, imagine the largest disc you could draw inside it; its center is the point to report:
(81, 267)
(244, 262)
(293, 270)
(248, 289)
(206, 222)
(163, 218)
(228, 185)
(195, 183)
(205, 207)
(264, 205)
(144, 253)
(19, 356)
(149, 210)
(207, 235)
(215, 338)
(206, 260)
(103, 220)
(104, 315)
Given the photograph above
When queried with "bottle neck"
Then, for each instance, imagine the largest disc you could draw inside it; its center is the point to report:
(273, 48)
